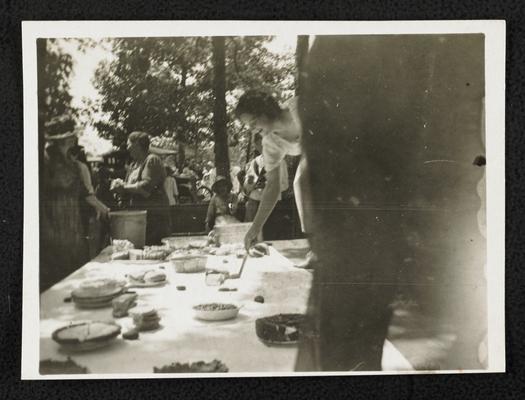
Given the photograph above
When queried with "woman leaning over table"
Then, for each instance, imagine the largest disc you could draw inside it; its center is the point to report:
(281, 132)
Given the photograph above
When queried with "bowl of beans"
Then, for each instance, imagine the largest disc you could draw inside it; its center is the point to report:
(216, 311)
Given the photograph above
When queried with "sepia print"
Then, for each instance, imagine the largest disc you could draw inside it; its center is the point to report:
(240, 202)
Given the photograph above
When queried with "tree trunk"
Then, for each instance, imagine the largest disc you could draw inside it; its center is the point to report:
(222, 161)
(300, 57)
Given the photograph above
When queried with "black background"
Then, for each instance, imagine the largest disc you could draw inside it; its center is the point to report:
(509, 385)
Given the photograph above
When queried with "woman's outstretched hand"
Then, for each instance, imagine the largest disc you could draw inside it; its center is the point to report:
(251, 237)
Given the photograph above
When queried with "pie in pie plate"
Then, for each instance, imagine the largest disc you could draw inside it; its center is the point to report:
(86, 335)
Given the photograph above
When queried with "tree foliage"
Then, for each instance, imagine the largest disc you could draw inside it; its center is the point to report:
(55, 67)
(164, 86)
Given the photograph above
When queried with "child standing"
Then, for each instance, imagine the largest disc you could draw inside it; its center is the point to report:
(223, 204)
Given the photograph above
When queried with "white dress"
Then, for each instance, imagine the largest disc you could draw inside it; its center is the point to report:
(275, 148)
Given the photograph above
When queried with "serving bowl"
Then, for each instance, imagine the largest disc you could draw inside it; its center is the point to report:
(216, 311)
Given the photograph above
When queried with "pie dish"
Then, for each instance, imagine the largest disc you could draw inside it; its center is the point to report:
(216, 311)
(86, 335)
(98, 289)
(280, 329)
(97, 293)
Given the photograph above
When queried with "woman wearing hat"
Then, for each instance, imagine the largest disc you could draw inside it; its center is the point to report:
(144, 187)
(63, 241)
(223, 204)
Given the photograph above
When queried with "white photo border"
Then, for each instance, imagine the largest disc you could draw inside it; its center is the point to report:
(494, 31)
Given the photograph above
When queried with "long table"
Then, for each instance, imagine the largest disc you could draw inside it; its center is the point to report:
(182, 338)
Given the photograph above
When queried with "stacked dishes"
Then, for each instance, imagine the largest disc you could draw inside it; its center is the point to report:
(145, 318)
(97, 294)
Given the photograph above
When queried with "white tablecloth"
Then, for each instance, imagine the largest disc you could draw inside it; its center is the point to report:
(182, 338)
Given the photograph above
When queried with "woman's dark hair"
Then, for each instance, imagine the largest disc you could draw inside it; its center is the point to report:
(142, 138)
(258, 103)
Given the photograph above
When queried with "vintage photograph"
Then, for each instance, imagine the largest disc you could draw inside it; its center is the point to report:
(251, 199)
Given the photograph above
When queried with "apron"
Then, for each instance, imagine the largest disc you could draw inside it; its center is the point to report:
(157, 206)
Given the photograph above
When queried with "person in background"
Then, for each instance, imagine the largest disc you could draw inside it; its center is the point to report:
(170, 187)
(188, 181)
(223, 204)
(236, 186)
(94, 212)
(255, 180)
(63, 245)
(209, 175)
(197, 171)
(102, 189)
(78, 157)
(144, 187)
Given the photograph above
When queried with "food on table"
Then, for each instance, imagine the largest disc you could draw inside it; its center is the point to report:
(136, 254)
(215, 307)
(181, 287)
(154, 276)
(216, 311)
(122, 245)
(255, 253)
(280, 328)
(51, 367)
(259, 250)
(227, 289)
(198, 244)
(123, 303)
(180, 253)
(97, 293)
(120, 255)
(263, 247)
(155, 252)
(145, 318)
(240, 253)
(151, 277)
(188, 263)
(132, 334)
(87, 335)
(200, 366)
(259, 299)
(215, 278)
(227, 249)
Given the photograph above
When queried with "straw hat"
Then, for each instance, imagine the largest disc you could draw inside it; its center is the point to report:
(59, 128)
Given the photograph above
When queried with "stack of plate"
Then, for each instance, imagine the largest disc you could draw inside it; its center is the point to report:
(97, 294)
(86, 335)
